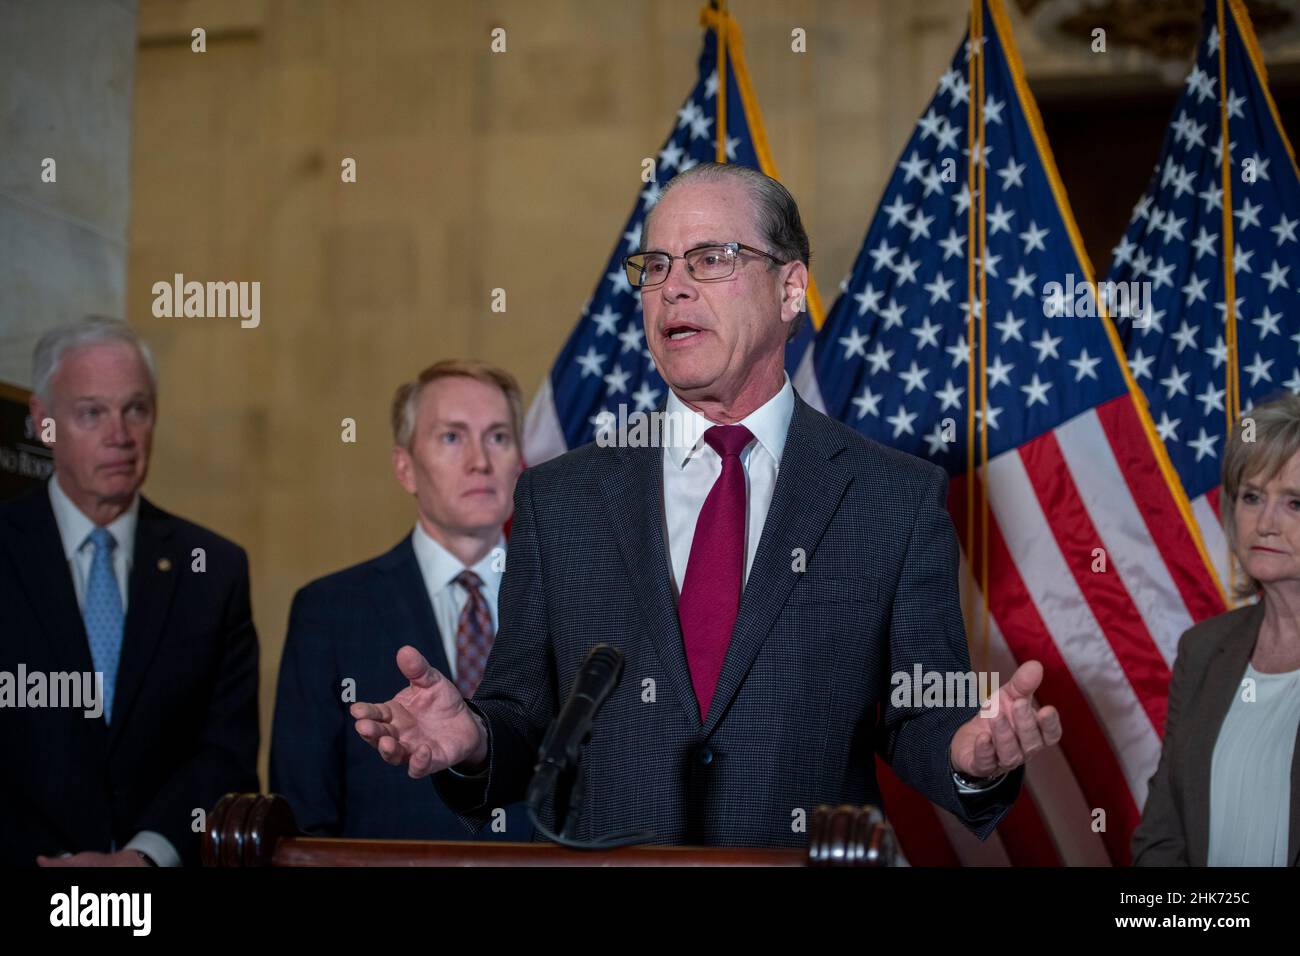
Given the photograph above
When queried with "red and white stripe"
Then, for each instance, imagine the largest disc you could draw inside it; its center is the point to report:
(543, 436)
(1106, 633)
(1209, 518)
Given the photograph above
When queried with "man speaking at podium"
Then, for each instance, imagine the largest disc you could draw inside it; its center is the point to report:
(763, 584)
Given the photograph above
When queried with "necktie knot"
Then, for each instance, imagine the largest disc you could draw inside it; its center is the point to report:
(470, 581)
(728, 440)
(102, 539)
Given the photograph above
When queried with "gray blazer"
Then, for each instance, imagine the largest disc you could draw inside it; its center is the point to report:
(802, 705)
(1211, 662)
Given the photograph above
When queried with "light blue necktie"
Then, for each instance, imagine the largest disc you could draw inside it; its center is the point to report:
(103, 614)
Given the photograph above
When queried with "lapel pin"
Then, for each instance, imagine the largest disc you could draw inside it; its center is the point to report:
(164, 564)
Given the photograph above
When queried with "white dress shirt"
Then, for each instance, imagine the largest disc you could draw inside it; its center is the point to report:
(74, 531)
(690, 472)
(439, 568)
(1250, 774)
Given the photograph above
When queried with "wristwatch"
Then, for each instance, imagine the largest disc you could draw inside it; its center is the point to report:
(970, 784)
(975, 783)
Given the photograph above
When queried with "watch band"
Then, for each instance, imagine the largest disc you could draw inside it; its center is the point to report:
(976, 783)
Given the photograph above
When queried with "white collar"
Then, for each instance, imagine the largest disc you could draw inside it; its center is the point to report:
(769, 423)
(75, 526)
(440, 567)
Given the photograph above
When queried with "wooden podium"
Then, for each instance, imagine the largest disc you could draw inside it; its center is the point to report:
(253, 829)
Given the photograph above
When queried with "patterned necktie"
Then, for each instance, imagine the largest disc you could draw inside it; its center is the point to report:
(473, 635)
(710, 596)
(103, 614)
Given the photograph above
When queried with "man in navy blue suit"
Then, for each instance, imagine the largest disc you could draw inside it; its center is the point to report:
(456, 450)
(97, 582)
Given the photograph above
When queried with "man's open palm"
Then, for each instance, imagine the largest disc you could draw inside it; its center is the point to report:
(426, 726)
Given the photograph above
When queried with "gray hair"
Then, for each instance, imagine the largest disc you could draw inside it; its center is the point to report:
(776, 214)
(92, 330)
(1276, 426)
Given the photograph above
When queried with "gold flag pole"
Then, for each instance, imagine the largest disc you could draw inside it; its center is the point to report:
(1232, 381)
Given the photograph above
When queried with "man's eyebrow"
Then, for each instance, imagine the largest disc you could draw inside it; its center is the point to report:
(100, 398)
(694, 245)
(464, 426)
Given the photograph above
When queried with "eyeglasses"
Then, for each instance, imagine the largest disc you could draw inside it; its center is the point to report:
(704, 263)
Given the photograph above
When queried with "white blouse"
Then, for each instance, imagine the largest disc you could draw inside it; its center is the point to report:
(1250, 773)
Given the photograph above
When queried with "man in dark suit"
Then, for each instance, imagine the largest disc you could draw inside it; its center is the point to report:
(96, 580)
(456, 451)
(764, 583)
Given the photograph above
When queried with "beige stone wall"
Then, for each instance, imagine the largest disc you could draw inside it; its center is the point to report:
(475, 171)
(66, 71)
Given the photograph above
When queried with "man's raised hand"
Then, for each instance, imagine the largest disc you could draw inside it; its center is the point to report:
(1009, 729)
(426, 726)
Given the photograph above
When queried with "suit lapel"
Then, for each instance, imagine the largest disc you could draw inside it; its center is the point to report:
(155, 567)
(808, 492)
(1222, 683)
(633, 493)
(37, 552)
(406, 598)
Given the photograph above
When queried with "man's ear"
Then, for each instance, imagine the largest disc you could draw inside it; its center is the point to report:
(404, 469)
(794, 291)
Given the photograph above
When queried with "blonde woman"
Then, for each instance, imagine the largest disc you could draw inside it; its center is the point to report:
(1227, 790)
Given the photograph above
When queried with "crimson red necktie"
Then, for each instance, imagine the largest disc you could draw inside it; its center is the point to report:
(715, 570)
(473, 635)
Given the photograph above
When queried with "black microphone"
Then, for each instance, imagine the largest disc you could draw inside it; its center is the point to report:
(559, 751)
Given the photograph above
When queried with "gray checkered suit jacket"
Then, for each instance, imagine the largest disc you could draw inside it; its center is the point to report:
(803, 700)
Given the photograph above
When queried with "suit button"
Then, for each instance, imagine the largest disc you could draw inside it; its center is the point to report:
(705, 756)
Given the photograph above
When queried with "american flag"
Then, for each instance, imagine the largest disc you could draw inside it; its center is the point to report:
(605, 362)
(1179, 353)
(1073, 476)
